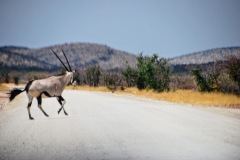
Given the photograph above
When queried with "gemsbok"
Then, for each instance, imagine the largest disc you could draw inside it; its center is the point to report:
(49, 87)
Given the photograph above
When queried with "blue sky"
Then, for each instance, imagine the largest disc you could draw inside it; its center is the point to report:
(166, 27)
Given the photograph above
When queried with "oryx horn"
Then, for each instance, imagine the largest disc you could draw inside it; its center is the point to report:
(60, 60)
(67, 61)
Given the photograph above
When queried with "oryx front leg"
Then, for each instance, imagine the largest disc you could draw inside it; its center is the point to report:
(62, 103)
(39, 99)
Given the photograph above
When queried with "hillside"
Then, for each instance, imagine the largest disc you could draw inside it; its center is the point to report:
(204, 57)
(79, 54)
(82, 55)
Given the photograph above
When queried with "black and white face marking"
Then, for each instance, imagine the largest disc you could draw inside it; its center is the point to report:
(72, 78)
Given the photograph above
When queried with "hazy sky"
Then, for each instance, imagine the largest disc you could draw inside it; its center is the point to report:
(166, 27)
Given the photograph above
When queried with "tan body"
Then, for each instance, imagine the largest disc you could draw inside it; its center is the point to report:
(54, 85)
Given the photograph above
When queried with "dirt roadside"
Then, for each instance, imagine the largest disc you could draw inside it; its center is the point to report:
(3, 99)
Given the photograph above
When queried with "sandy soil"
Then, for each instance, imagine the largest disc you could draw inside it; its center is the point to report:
(109, 126)
(3, 99)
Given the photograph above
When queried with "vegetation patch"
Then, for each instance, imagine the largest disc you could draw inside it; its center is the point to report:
(214, 99)
(189, 97)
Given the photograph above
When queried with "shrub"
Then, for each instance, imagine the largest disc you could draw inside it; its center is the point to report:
(113, 81)
(93, 75)
(233, 69)
(182, 82)
(129, 75)
(201, 80)
(226, 85)
(152, 73)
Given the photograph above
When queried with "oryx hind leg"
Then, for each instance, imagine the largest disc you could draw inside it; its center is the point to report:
(39, 99)
(30, 98)
(62, 103)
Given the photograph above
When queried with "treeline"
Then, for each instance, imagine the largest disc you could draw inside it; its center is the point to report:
(151, 72)
(223, 78)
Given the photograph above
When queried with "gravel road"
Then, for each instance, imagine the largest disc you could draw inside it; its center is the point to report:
(105, 126)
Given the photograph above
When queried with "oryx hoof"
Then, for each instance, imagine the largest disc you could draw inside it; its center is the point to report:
(30, 118)
(66, 113)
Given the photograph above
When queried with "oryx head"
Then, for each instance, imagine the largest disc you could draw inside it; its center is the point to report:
(69, 71)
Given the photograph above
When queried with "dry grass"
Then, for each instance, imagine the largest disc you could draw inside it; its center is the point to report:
(3, 87)
(3, 95)
(179, 96)
(9, 85)
(190, 97)
(87, 88)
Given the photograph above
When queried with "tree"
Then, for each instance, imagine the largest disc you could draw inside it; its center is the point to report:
(113, 81)
(130, 74)
(4, 74)
(16, 79)
(201, 81)
(77, 78)
(152, 73)
(93, 75)
(162, 73)
(141, 78)
(206, 82)
(233, 69)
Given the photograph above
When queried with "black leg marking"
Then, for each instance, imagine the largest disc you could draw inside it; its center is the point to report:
(62, 103)
(28, 85)
(46, 94)
(28, 107)
(30, 98)
(39, 99)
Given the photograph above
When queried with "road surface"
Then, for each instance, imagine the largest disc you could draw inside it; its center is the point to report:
(105, 126)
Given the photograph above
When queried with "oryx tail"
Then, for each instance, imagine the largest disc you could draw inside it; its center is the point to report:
(15, 91)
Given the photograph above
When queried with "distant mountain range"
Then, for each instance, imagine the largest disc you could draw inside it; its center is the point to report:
(203, 57)
(82, 55)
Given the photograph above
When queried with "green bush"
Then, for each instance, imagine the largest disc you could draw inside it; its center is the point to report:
(207, 82)
(200, 80)
(233, 69)
(129, 75)
(152, 73)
